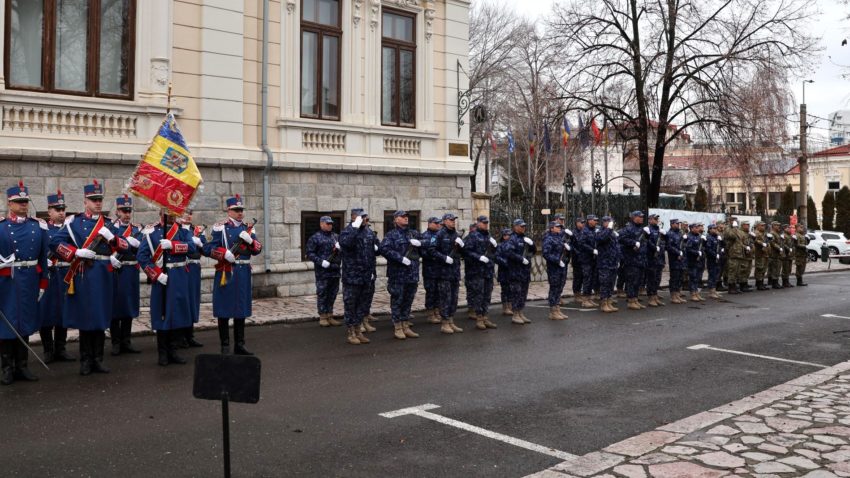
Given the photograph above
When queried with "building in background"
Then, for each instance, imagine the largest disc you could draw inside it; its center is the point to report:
(839, 128)
(829, 171)
(362, 107)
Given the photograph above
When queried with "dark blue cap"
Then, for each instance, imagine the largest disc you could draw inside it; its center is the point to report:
(712, 226)
(18, 193)
(674, 221)
(554, 224)
(483, 219)
(434, 219)
(449, 217)
(579, 220)
(56, 200)
(559, 216)
(519, 222)
(357, 211)
(606, 219)
(506, 231)
(592, 217)
(124, 202)
(636, 214)
(93, 190)
(326, 219)
(400, 213)
(235, 202)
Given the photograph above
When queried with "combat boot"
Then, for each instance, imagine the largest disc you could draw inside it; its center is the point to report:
(238, 338)
(408, 332)
(586, 303)
(224, 335)
(126, 334)
(721, 287)
(744, 287)
(445, 327)
(60, 341)
(46, 334)
(517, 318)
(7, 362)
(189, 332)
(680, 299)
(786, 283)
(98, 341)
(323, 320)
(563, 315)
(398, 332)
(352, 337)
(800, 282)
(633, 304)
(525, 318)
(621, 294)
(506, 310)
(760, 285)
(479, 323)
(161, 348)
(471, 314)
(639, 303)
(362, 338)
(488, 324)
(733, 289)
(454, 327)
(434, 316)
(333, 322)
(712, 294)
(367, 324)
(553, 313)
(606, 306)
(86, 356)
(659, 301)
(652, 302)
(694, 297)
(775, 283)
(115, 336)
(699, 296)
(612, 304)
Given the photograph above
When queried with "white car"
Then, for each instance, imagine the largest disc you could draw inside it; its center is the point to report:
(835, 241)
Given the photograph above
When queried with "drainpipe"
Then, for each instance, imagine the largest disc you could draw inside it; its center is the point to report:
(264, 140)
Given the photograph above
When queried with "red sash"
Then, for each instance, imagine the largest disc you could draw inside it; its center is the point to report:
(76, 263)
(168, 235)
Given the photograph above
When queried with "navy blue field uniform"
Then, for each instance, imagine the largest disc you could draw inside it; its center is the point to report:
(713, 260)
(578, 277)
(323, 248)
(358, 272)
(479, 252)
(519, 254)
(502, 274)
(675, 257)
(430, 272)
(402, 271)
(653, 251)
(695, 260)
(585, 244)
(557, 259)
(633, 247)
(444, 245)
(607, 262)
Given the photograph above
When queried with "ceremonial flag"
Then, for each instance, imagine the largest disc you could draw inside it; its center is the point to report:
(547, 143)
(582, 134)
(531, 141)
(597, 134)
(511, 144)
(167, 176)
(565, 131)
(492, 140)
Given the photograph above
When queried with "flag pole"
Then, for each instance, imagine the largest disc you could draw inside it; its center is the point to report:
(510, 181)
(168, 103)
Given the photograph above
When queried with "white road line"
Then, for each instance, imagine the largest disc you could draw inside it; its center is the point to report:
(835, 316)
(709, 347)
(422, 411)
(565, 308)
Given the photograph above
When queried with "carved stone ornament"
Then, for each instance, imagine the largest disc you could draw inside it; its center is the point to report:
(358, 13)
(374, 18)
(430, 13)
(290, 6)
(159, 73)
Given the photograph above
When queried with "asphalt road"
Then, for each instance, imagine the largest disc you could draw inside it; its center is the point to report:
(576, 386)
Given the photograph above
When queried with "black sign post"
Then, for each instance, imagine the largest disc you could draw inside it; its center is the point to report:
(229, 378)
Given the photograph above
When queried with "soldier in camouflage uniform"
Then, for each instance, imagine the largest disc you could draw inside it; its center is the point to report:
(445, 248)
(748, 238)
(357, 243)
(557, 255)
(323, 252)
(578, 278)
(607, 263)
(733, 241)
(479, 254)
(676, 258)
(655, 260)
(401, 249)
(502, 276)
(723, 280)
(801, 256)
(777, 251)
(762, 249)
(520, 252)
(788, 241)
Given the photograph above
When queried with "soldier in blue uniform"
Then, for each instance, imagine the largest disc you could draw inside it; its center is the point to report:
(695, 260)
(467, 267)
(479, 254)
(369, 293)
(88, 241)
(358, 272)
(633, 247)
(54, 335)
(171, 304)
(587, 256)
(578, 279)
(712, 259)
(401, 247)
(676, 258)
(520, 252)
(655, 261)
(445, 248)
(194, 259)
(556, 252)
(23, 277)
(608, 260)
(323, 251)
(502, 274)
(125, 301)
(232, 245)
(430, 271)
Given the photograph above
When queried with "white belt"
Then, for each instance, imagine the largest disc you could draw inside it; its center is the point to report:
(101, 258)
(63, 264)
(25, 263)
(176, 264)
(194, 261)
(129, 263)
(242, 262)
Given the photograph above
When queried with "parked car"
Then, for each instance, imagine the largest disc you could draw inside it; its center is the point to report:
(835, 241)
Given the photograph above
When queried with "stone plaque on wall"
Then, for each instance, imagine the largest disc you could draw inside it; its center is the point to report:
(458, 149)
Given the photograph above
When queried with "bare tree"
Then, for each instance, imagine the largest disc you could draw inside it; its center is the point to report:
(672, 61)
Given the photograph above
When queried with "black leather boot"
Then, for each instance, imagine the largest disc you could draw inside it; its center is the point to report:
(86, 354)
(7, 362)
(46, 334)
(786, 282)
(800, 282)
(126, 334)
(174, 338)
(224, 335)
(60, 335)
(745, 287)
(115, 336)
(775, 284)
(733, 289)
(239, 337)
(162, 347)
(22, 371)
(189, 333)
(98, 341)
(721, 287)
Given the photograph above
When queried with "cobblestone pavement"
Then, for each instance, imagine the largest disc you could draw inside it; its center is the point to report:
(799, 428)
(303, 308)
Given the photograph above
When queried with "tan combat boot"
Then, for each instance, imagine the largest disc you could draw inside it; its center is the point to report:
(605, 307)
(398, 332)
(517, 318)
(562, 314)
(621, 294)
(507, 310)
(323, 320)
(445, 327)
(470, 312)
(367, 324)
(479, 323)
(334, 322)
(362, 338)
(553, 313)
(700, 297)
(612, 304)
(659, 301)
(488, 324)
(712, 294)
(694, 297)
(454, 327)
(525, 319)
(652, 302)
(633, 304)
(408, 332)
(640, 303)
(434, 317)
(352, 336)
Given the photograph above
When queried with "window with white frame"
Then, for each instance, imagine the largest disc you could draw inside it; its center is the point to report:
(320, 59)
(398, 68)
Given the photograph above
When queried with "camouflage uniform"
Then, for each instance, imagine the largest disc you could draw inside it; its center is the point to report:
(762, 249)
(777, 251)
(788, 259)
(801, 254)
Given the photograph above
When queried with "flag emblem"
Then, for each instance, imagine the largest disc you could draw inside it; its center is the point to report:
(175, 160)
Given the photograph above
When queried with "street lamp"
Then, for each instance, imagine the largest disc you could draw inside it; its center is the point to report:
(569, 184)
(804, 89)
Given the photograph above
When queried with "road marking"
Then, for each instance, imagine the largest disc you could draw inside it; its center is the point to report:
(562, 307)
(709, 347)
(422, 411)
(835, 316)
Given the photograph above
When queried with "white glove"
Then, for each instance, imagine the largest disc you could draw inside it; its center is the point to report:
(358, 221)
(704, 238)
(782, 236)
(611, 225)
(162, 279)
(376, 248)
(748, 249)
(752, 234)
(718, 257)
(663, 232)
(459, 241)
(197, 241)
(325, 264)
(415, 243)
(723, 250)
(568, 232)
(524, 261)
(681, 253)
(562, 264)
(116, 264)
(133, 241)
(700, 253)
(449, 260)
(646, 229)
(770, 235)
(229, 257)
(336, 245)
(528, 241)
(734, 223)
(493, 241)
(405, 261)
(484, 259)
(566, 246)
(165, 244)
(40, 293)
(657, 248)
(637, 244)
(106, 233)
(763, 244)
(616, 234)
(85, 254)
(595, 252)
(246, 237)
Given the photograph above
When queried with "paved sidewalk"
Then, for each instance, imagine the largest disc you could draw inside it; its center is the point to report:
(799, 428)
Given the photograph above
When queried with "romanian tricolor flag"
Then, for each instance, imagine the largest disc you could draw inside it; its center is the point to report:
(565, 131)
(167, 175)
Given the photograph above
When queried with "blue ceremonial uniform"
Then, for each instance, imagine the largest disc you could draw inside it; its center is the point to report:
(634, 257)
(194, 260)
(125, 300)
(23, 250)
(713, 260)
(233, 299)
(555, 255)
(50, 305)
(608, 261)
(443, 245)
(322, 246)
(358, 272)
(402, 280)
(519, 273)
(479, 275)
(179, 310)
(675, 257)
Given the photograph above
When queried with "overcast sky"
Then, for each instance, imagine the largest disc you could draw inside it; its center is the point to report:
(829, 92)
